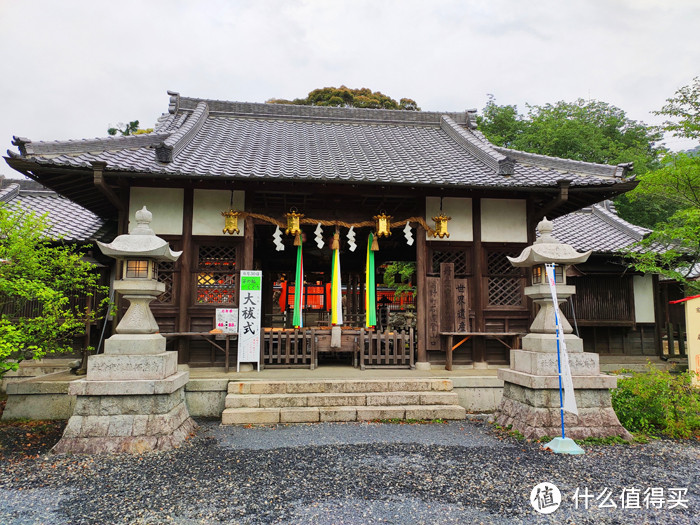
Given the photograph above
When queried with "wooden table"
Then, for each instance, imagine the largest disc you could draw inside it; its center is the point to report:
(210, 338)
(448, 340)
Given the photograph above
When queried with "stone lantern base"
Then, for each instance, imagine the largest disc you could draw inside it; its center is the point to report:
(531, 404)
(128, 403)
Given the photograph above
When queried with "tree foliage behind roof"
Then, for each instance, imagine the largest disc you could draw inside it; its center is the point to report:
(345, 97)
(132, 128)
(585, 130)
(673, 248)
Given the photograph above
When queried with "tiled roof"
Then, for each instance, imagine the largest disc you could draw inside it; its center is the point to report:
(68, 220)
(247, 141)
(597, 228)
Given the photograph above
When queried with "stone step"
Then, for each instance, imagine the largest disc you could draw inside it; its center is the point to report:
(340, 399)
(331, 386)
(261, 416)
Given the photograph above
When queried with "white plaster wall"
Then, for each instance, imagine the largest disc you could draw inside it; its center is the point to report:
(164, 203)
(643, 298)
(460, 227)
(207, 208)
(503, 220)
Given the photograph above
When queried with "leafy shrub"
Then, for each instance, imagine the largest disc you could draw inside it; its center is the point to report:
(659, 403)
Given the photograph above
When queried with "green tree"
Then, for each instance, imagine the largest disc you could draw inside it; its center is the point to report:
(673, 249)
(345, 97)
(585, 130)
(39, 281)
(132, 128)
(590, 131)
(683, 111)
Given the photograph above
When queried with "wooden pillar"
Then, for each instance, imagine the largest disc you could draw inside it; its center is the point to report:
(659, 316)
(186, 264)
(248, 239)
(422, 299)
(479, 292)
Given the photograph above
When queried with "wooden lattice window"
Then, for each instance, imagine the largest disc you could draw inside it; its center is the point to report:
(216, 275)
(165, 273)
(505, 287)
(456, 256)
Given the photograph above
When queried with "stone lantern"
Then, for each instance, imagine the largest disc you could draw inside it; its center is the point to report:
(531, 402)
(138, 253)
(133, 396)
(547, 250)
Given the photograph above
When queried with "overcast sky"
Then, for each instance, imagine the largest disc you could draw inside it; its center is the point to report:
(71, 68)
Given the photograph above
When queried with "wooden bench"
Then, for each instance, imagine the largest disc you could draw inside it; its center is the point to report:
(509, 339)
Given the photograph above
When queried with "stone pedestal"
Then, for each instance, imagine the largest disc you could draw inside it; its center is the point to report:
(128, 403)
(531, 404)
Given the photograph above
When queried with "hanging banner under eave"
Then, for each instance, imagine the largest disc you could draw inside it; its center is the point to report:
(370, 290)
(567, 381)
(297, 320)
(336, 291)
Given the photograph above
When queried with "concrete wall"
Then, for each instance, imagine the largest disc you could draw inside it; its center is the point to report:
(207, 208)
(643, 298)
(460, 226)
(48, 399)
(503, 220)
(165, 204)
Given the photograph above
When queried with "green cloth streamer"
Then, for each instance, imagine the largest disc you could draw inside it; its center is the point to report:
(298, 320)
(370, 290)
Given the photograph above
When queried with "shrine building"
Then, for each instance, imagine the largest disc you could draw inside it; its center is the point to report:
(224, 181)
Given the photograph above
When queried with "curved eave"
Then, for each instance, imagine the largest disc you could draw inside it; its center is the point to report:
(77, 183)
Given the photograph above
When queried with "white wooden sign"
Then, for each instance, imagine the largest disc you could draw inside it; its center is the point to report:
(227, 320)
(249, 313)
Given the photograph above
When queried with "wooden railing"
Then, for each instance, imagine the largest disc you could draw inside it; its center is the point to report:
(300, 348)
(390, 349)
(288, 348)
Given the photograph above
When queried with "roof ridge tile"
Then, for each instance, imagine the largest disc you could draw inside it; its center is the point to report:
(579, 166)
(478, 146)
(612, 218)
(298, 111)
(58, 147)
(8, 193)
(168, 149)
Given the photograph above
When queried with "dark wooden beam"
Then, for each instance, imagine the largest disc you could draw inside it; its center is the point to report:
(422, 296)
(478, 281)
(560, 199)
(186, 264)
(101, 184)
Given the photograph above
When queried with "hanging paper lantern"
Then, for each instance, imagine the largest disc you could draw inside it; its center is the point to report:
(231, 221)
(293, 226)
(441, 226)
(383, 224)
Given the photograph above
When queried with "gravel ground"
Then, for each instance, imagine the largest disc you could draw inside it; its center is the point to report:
(352, 473)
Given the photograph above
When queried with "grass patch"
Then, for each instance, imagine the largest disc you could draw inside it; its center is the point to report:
(515, 434)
